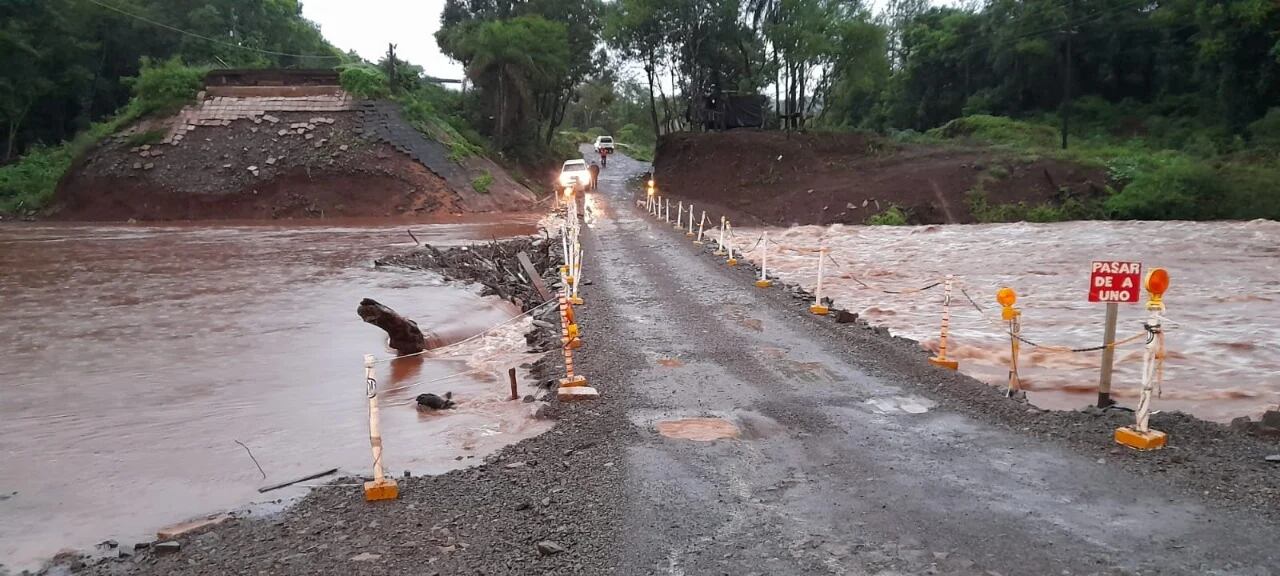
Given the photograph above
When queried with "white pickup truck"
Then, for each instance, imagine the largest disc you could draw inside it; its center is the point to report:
(604, 144)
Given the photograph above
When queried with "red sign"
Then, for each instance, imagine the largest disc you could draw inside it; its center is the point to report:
(1115, 282)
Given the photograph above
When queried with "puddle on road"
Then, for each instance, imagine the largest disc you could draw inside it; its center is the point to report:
(900, 405)
(698, 429)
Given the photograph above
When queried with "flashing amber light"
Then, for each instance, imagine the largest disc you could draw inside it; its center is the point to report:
(1157, 281)
(1006, 297)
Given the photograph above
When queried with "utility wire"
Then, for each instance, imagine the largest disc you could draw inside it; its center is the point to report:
(206, 38)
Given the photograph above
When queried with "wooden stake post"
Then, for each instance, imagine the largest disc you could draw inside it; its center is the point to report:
(381, 487)
(1108, 356)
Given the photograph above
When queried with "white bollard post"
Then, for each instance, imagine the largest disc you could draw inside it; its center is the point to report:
(690, 232)
(680, 215)
(818, 308)
(720, 244)
(732, 261)
(1140, 435)
(764, 281)
(666, 217)
(381, 487)
(700, 225)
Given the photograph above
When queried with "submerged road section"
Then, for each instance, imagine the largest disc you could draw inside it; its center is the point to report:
(767, 448)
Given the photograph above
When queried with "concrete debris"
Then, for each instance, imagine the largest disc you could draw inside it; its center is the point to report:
(343, 147)
(144, 153)
(167, 547)
(271, 160)
(137, 165)
(148, 166)
(282, 132)
(1273, 458)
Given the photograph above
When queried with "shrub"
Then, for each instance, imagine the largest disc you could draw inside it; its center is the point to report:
(482, 183)
(365, 81)
(1265, 132)
(998, 129)
(166, 87)
(1169, 186)
(891, 216)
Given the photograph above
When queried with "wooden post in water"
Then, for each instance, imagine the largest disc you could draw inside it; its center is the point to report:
(1108, 356)
(511, 375)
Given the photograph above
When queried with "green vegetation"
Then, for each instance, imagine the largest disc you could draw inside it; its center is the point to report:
(75, 72)
(29, 183)
(894, 215)
(1067, 208)
(482, 183)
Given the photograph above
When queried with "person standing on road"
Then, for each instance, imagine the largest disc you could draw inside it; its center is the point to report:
(594, 169)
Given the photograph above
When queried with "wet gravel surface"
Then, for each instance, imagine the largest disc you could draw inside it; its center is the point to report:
(854, 456)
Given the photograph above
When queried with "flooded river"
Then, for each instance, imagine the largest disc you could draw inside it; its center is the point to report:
(135, 357)
(1223, 360)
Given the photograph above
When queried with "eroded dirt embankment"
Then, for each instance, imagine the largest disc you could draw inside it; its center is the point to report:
(827, 178)
(295, 164)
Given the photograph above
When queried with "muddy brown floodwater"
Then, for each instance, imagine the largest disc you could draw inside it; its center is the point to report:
(136, 356)
(1222, 358)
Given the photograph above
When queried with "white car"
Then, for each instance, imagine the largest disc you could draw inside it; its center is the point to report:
(576, 174)
(604, 143)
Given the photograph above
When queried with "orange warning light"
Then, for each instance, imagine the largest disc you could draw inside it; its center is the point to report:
(1006, 297)
(1157, 281)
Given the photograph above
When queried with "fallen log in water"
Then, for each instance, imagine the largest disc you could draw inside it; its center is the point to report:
(403, 334)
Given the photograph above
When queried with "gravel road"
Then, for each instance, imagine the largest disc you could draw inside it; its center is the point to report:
(852, 456)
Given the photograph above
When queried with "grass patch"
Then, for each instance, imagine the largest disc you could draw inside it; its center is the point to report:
(1148, 182)
(145, 138)
(482, 183)
(26, 186)
(894, 215)
(1067, 207)
(641, 153)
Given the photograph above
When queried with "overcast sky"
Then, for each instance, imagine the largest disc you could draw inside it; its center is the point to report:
(366, 26)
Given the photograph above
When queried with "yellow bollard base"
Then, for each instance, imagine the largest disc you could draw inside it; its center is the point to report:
(943, 362)
(764, 283)
(575, 300)
(819, 310)
(690, 234)
(1138, 440)
(574, 382)
(699, 242)
(719, 253)
(384, 489)
(568, 280)
(575, 393)
(732, 262)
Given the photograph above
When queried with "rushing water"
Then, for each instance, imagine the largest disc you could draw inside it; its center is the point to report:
(1222, 355)
(136, 356)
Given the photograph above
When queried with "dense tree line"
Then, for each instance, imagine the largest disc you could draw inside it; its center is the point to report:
(1173, 65)
(66, 63)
